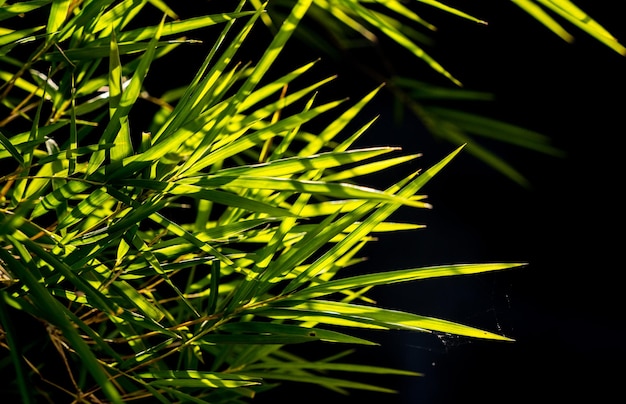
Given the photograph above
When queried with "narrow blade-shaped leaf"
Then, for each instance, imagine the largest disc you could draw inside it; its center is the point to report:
(404, 275)
(346, 314)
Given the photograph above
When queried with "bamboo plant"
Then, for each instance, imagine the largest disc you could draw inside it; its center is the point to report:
(180, 261)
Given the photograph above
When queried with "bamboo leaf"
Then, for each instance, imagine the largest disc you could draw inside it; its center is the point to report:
(369, 168)
(495, 129)
(339, 190)
(17, 37)
(194, 378)
(206, 193)
(180, 27)
(401, 39)
(127, 100)
(58, 14)
(404, 275)
(293, 165)
(451, 10)
(8, 146)
(330, 366)
(328, 382)
(544, 18)
(576, 16)
(251, 332)
(59, 196)
(343, 314)
(11, 10)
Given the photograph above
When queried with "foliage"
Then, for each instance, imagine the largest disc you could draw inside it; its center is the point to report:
(356, 32)
(181, 263)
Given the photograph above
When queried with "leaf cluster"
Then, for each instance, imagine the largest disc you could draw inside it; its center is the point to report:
(366, 35)
(179, 263)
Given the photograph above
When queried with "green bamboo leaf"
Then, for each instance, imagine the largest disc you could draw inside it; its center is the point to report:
(455, 135)
(292, 257)
(251, 332)
(12, 10)
(133, 322)
(370, 168)
(285, 143)
(293, 165)
(298, 11)
(145, 308)
(47, 174)
(349, 314)
(401, 39)
(59, 196)
(122, 144)
(114, 81)
(339, 190)
(94, 202)
(58, 15)
(20, 188)
(345, 19)
(162, 5)
(8, 146)
(100, 52)
(53, 157)
(328, 382)
(428, 91)
(194, 378)
(214, 286)
(296, 233)
(404, 275)
(179, 382)
(20, 36)
(127, 100)
(452, 10)
(544, 18)
(220, 233)
(180, 27)
(496, 129)
(576, 16)
(401, 10)
(21, 142)
(330, 366)
(24, 84)
(329, 207)
(205, 193)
